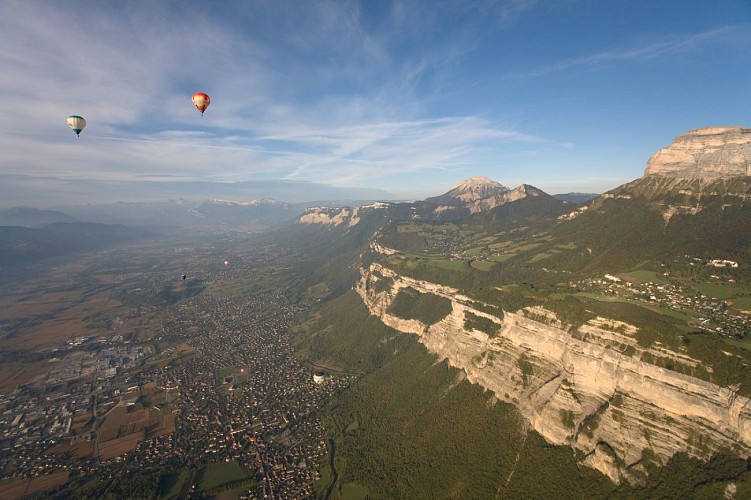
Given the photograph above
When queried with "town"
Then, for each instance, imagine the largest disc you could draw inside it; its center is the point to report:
(219, 384)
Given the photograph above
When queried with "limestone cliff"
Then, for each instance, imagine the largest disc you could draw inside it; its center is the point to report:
(705, 153)
(328, 216)
(587, 388)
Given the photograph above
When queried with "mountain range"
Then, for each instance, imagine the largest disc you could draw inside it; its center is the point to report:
(698, 207)
(21, 244)
(553, 307)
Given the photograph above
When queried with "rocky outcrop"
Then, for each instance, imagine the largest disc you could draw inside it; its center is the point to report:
(587, 388)
(523, 191)
(705, 153)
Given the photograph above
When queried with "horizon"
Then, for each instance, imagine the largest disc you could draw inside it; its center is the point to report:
(348, 100)
(271, 200)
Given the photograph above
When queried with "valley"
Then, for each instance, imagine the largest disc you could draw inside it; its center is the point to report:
(120, 378)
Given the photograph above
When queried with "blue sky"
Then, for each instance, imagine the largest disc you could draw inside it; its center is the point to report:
(395, 99)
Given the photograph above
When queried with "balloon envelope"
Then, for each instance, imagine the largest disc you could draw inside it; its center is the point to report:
(77, 123)
(201, 101)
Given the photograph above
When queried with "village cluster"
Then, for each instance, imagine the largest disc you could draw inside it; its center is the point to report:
(710, 314)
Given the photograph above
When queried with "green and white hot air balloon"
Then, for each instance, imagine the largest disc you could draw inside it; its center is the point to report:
(77, 123)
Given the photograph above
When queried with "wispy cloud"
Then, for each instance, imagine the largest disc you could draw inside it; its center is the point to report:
(509, 11)
(381, 149)
(654, 49)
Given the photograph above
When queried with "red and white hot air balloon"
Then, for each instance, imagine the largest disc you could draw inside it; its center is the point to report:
(201, 101)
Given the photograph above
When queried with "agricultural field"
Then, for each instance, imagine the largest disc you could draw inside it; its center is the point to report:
(124, 426)
(482, 265)
(119, 446)
(464, 240)
(16, 373)
(24, 487)
(37, 313)
(109, 428)
(743, 303)
(222, 476)
(121, 292)
(722, 291)
(355, 491)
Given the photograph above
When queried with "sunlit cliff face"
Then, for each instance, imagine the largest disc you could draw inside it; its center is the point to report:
(588, 388)
(716, 152)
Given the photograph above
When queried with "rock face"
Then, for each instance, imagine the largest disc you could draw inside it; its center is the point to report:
(328, 216)
(705, 153)
(587, 388)
(480, 194)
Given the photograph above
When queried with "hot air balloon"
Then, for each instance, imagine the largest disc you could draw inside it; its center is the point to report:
(201, 101)
(77, 123)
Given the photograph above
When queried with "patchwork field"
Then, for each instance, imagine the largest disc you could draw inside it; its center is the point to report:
(103, 294)
(116, 447)
(122, 428)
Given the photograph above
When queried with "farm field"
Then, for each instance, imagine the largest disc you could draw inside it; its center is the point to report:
(100, 294)
(122, 428)
(219, 475)
(18, 488)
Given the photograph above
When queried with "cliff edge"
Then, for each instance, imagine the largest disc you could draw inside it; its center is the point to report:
(588, 388)
(705, 153)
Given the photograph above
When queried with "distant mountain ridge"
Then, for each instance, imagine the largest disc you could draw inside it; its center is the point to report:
(178, 212)
(473, 197)
(31, 217)
(210, 214)
(480, 194)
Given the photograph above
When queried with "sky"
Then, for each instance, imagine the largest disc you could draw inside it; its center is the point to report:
(371, 99)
